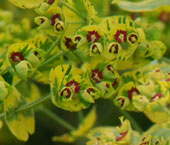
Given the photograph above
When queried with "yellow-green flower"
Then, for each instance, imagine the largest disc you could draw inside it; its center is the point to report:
(70, 89)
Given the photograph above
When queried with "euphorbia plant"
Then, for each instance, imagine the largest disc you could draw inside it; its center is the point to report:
(84, 57)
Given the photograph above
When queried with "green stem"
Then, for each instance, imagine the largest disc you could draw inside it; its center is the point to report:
(165, 59)
(29, 105)
(56, 118)
(33, 104)
(52, 46)
(80, 116)
(131, 119)
(51, 59)
(72, 9)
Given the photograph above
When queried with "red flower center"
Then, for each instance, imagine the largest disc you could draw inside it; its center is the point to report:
(115, 83)
(42, 20)
(114, 48)
(93, 36)
(156, 97)
(90, 91)
(164, 17)
(167, 80)
(66, 93)
(133, 38)
(69, 43)
(75, 86)
(122, 135)
(58, 27)
(17, 56)
(77, 38)
(121, 101)
(121, 36)
(51, 1)
(97, 75)
(110, 68)
(54, 18)
(133, 92)
(95, 49)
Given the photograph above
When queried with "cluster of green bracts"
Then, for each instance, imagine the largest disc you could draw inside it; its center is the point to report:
(123, 135)
(92, 58)
(146, 90)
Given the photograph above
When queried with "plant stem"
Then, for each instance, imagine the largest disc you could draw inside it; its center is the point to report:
(131, 119)
(56, 118)
(72, 9)
(51, 59)
(165, 59)
(33, 104)
(52, 47)
(80, 116)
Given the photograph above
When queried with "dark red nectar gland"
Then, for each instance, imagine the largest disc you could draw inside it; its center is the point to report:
(93, 36)
(133, 92)
(75, 86)
(133, 38)
(97, 75)
(122, 135)
(115, 83)
(156, 97)
(77, 38)
(164, 17)
(51, 2)
(54, 18)
(17, 56)
(114, 48)
(121, 36)
(110, 68)
(69, 43)
(59, 27)
(66, 92)
(121, 101)
(90, 91)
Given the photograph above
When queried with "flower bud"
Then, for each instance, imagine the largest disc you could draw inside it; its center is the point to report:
(22, 69)
(42, 21)
(96, 48)
(59, 26)
(133, 38)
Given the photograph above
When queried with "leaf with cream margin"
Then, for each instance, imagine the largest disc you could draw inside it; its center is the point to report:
(83, 128)
(159, 131)
(21, 124)
(26, 4)
(86, 12)
(143, 6)
(30, 91)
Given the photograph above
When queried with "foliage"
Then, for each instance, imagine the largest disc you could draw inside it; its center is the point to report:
(80, 58)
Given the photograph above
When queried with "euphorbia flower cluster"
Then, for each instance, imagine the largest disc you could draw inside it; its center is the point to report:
(83, 57)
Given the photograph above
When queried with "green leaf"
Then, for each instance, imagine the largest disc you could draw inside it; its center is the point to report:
(143, 6)
(20, 124)
(158, 131)
(79, 5)
(8, 77)
(26, 3)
